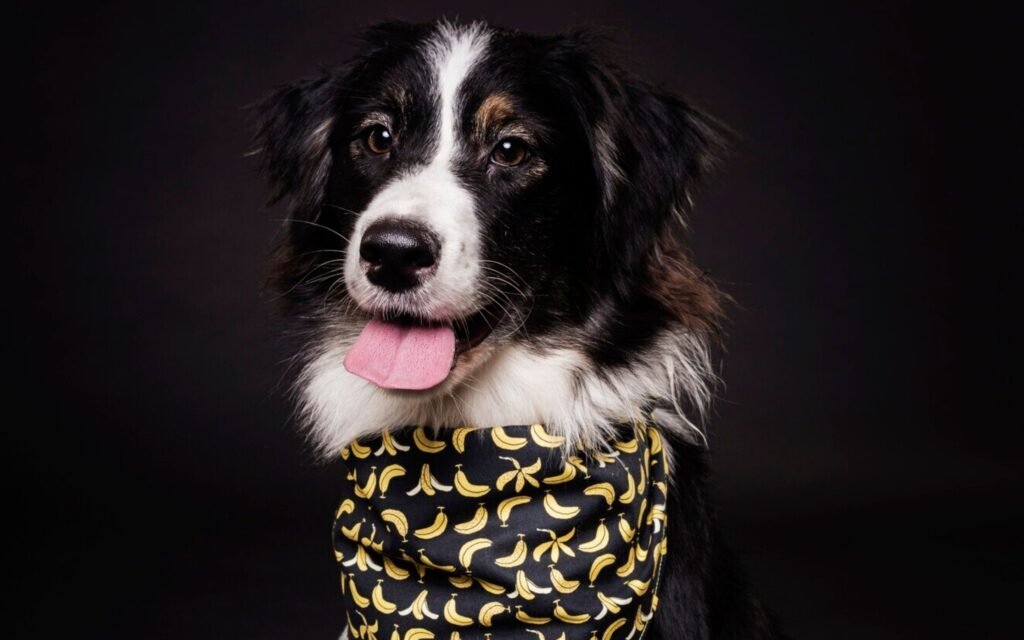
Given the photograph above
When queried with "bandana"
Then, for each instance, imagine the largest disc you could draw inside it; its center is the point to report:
(496, 533)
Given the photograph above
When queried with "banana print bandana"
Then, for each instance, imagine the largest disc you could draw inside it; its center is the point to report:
(495, 534)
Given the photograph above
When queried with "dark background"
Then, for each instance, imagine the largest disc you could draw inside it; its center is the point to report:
(868, 468)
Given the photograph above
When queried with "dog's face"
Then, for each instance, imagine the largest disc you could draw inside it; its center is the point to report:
(507, 201)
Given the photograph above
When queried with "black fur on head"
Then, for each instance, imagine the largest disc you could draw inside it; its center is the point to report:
(583, 245)
(650, 149)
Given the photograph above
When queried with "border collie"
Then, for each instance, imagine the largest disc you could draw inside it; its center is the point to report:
(487, 228)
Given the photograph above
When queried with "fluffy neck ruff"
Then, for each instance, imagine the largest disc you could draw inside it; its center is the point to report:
(515, 384)
(497, 530)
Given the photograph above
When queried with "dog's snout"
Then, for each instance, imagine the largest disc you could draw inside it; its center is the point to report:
(398, 254)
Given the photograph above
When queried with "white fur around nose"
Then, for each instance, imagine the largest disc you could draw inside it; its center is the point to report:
(433, 195)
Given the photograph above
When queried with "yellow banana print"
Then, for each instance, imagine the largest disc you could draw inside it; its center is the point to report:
(527, 588)
(434, 529)
(565, 616)
(459, 438)
(466, 488)
(367, 630)
(471, 547)
(520, 474)
(600, 540)
(516, 558)
(630, 564)
(607, 606)
(474, 524)
(604, 490)
(393, 570)
(396, 519)
(556, 510)
(366, 491)
(626, 530)
(641, 513)
(352, 532)
(655, 437)
(568, 474)
(609, 633)
(361, 601)
(359, 450)
(638, 620)
(563, 565)
(428, 484)
(490, 587)
(630, 493)
(522, 587)
(557, 545)
(452, 616)
(541, 436)
(419, 608)
(657, 517)
(347, 506)
(389, 446)
(600, 562)
(425, 444)
(491, 610)
(389, 473)
(378, 600)
(631, 446)
(505, 507)
(424, 560)
(505, 441)
(639, 587)
(526, 618)
(641, 553)
(561, 583)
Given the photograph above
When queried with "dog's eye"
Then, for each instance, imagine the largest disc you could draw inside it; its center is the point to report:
(378, 139)
(510, 152)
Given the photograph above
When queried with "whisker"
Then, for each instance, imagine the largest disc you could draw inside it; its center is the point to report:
(303, 279)
(314, 224)
(342, 209)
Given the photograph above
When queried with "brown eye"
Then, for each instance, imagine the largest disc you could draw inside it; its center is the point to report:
(510, 152)
(379, 139)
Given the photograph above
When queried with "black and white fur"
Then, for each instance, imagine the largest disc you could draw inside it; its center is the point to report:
(566, 276)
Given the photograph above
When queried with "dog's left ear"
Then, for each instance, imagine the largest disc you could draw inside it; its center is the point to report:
(293, 130)
(650, 151)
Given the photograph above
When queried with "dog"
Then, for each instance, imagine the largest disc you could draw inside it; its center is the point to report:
(485, 229)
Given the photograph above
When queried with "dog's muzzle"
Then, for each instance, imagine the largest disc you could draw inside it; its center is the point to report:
(497, 531)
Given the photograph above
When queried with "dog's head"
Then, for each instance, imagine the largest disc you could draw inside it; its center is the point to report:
(499, 216)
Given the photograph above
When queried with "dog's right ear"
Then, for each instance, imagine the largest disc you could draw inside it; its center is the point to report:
(292, 138)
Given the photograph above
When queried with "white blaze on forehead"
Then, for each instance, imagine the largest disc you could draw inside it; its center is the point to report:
(453, 52)
(433, 195)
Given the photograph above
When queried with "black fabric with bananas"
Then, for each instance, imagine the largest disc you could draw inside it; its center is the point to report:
(465, 533)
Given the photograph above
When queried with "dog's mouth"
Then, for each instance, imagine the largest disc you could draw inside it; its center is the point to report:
(408, 353)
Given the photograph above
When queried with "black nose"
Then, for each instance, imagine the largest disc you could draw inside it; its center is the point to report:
(398, 254)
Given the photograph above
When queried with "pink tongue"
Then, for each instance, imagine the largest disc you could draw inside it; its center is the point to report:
(396, 356)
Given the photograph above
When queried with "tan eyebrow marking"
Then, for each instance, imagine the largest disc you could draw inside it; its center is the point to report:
(493, 110)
